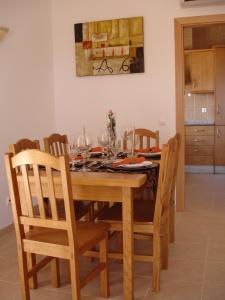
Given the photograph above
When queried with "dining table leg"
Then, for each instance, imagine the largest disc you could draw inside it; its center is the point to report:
(128, 244)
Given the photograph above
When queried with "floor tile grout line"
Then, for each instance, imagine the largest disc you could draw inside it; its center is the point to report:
(191, 243)
(56, 290)
(11, 282)
(221, 262)
(186, 259)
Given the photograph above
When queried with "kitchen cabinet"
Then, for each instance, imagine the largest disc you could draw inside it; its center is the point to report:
(199, 141)
(199, 71)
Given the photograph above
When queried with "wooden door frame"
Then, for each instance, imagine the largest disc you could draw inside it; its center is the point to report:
(179, 25)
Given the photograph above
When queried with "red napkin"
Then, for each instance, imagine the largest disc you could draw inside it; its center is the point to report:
(155, 149)
(148, 150)
(75, 157)
(96, 149)
(144, 150)
(128, 160)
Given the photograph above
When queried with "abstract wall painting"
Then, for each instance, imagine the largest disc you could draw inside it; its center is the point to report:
(109, 47)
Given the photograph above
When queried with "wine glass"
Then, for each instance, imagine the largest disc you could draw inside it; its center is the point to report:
(72, 152)
(126, 137)
(117, 147)
(104, 140)
(84, 145)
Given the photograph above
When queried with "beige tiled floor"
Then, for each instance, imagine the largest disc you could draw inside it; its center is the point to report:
(197, 259)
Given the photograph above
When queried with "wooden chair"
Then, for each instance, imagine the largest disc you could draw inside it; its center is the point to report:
(81, 211)
(56, 144)
(172, 198)
(145, 137)
(150, 218)
(51, 236)
(23, 144)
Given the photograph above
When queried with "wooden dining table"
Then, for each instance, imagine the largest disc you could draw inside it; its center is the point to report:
(106, 187)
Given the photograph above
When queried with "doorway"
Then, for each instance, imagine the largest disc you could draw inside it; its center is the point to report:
(180, 25)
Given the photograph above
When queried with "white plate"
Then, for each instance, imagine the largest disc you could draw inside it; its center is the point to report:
(138, 165)
(148, 154)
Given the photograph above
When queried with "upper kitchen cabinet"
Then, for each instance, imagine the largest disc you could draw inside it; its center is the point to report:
(199, 71)
(220, 85)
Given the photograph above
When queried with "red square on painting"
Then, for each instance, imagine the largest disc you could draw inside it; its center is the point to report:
(87, 44)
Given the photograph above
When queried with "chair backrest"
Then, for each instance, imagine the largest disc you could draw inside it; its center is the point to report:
(56, 144)
(176, 154)
(23, 144)
(35, 179)
(165, 180)
(145, 138)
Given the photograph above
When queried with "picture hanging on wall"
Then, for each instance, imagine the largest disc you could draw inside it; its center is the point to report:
(109, 47)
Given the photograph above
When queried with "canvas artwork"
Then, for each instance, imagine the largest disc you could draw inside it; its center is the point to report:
(109, 47)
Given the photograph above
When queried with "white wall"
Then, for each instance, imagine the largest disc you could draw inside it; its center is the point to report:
(147, 99)
(27, 108)
(26, 79)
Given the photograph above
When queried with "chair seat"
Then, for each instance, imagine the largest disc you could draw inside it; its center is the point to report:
(87, 234)
(143, 212)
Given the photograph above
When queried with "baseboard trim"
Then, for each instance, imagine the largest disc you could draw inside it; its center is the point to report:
(6, 229)
(204, 169)
(199, 169)
(220, 169)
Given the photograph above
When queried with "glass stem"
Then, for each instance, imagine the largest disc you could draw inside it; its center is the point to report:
(84, 162)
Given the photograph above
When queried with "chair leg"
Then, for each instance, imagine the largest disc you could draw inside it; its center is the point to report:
(55, 273)
(156, 262)
(119, 238)
(23, 271)
(172, 223)
(74, 277)
(92, 212)
(165, 242)
(104, 275)
(31, 262)
(165, 249)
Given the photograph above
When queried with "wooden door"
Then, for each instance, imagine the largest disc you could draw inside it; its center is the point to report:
(202, 70)
(220, 146)
(220, 85)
